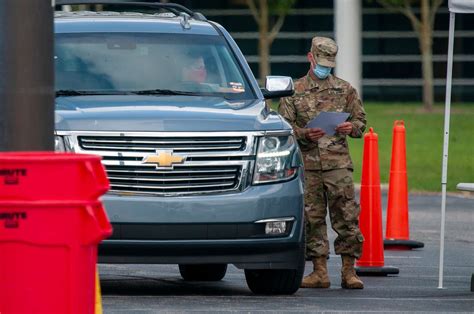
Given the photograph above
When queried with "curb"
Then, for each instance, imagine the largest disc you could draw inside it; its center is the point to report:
(462, 194)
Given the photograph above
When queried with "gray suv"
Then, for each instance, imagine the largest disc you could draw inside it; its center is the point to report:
(202, 173)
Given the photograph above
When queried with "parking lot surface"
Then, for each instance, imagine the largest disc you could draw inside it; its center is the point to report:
(159, 288)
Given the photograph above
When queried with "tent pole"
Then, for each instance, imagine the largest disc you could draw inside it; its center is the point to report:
(447, 114)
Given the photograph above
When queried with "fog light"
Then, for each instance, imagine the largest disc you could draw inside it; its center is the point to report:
(275, 227)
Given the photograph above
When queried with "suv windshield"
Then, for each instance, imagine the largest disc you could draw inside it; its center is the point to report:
(147, 64)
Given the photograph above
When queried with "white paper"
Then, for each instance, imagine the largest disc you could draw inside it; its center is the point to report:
(328, 121)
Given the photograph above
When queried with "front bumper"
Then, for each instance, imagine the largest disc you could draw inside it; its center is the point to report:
(207, 229)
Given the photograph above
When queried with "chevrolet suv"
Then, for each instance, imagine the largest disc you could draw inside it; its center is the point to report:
(202, 173)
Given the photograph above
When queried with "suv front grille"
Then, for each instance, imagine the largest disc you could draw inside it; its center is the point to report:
(180, 180)
(147, 144)
(213, 164)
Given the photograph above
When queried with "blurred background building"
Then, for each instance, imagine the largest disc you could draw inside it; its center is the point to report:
(391, 61)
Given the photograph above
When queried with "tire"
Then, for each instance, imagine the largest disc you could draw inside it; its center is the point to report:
(203, 272)
(274, 281)
(277, 281)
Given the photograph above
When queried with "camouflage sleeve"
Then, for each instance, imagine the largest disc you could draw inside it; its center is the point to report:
(288, 111)
(357, 117)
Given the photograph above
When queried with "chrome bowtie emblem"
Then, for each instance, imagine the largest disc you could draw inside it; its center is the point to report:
(164, 159)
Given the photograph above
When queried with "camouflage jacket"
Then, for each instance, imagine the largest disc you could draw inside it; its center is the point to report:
(311, 97)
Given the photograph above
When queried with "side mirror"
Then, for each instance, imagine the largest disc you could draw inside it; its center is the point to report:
(278, 86)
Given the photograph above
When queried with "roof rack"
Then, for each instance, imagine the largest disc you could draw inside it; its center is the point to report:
(174, 8)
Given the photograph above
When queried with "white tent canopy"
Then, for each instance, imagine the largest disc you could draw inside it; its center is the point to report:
(455, 6)
(461, 6)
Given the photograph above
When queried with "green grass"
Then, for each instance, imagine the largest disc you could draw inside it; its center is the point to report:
(424, 141)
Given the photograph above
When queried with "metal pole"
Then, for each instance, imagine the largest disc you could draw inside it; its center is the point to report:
(26, 75)
(447, 114)
(348, 31)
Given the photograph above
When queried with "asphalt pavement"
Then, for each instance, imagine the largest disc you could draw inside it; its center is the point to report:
(160, 289)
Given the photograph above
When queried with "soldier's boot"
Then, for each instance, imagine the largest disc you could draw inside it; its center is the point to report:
(349, 279)
(319, 277)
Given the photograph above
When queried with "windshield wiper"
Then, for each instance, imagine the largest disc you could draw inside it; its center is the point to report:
(178, 92)
(165, 92)
(72, 92)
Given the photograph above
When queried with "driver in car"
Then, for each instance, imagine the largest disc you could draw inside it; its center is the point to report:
(195, 74)
(194, 69)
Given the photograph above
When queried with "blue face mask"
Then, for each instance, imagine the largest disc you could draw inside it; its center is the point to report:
(322, 72)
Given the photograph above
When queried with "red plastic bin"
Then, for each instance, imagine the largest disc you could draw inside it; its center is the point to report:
(48, 255)
(29, 176)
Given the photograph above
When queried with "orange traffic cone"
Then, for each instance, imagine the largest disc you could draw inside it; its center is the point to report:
(372, 260)
(397, 231)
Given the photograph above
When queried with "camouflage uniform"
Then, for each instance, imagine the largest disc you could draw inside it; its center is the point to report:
(328, 166)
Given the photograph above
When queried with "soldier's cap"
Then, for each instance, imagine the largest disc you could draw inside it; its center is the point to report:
(324, 51)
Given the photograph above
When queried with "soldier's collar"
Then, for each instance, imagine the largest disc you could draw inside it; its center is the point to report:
(331, 81)
(312, 82)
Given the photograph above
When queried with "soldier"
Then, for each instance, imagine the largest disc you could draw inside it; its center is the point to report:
(328, 165)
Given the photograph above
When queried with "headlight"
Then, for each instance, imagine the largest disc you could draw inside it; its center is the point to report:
(275, 159)
(59, 144)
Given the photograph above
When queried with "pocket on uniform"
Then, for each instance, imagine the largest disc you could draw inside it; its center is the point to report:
(337, 145)
(301, 105)
(352, 208)
(349, 192)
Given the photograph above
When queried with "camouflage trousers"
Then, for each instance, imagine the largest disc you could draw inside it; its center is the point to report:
(333, 190)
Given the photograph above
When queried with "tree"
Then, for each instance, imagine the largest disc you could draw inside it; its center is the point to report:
(264, 12)
(423, 24)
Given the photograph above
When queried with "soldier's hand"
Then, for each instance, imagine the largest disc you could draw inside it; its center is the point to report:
(344, 128)
(314, 134)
